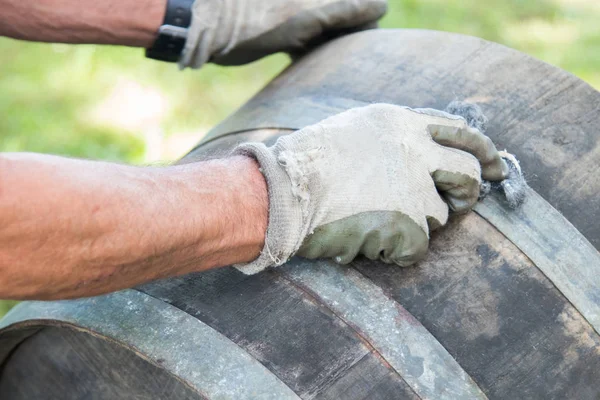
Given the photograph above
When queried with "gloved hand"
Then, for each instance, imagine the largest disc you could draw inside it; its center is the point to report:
(233, 32)
(370, 181)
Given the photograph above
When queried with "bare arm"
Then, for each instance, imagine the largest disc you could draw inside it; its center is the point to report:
(73, 228)
(119, 22)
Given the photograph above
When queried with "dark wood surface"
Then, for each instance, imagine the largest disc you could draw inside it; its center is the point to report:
(64, 364)
(493, 310)
(301, 341)
(497, 314)
(369, 379)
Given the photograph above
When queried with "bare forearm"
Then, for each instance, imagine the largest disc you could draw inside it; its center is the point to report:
(71, 228)
(120, 22)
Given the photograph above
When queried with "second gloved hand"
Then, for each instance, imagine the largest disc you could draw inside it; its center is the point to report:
(233, 32)
(373, 180)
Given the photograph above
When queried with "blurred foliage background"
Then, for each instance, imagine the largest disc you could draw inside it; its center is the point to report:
(110, 103)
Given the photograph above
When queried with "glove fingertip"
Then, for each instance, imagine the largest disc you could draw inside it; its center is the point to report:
(495, 171)
(461, 206)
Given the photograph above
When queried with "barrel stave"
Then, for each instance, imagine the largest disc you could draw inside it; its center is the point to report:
(283, 327)
(63, 363)
(506, 324)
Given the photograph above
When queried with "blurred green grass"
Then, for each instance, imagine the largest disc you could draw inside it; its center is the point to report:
(101, 102)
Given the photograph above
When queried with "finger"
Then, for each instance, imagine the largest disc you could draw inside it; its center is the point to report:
(392, 237)
(457, 176)
(340, 240)
(306, 27)
(348, 14)
(291, 35)
(315, 26)
(288, 37)
(474, 142)
(460, 191)
(410, 246)
(395, 239)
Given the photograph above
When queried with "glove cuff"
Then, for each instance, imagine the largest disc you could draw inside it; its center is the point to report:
(201, 35)
(285, 214)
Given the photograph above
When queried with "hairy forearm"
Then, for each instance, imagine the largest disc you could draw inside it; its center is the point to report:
(119, 22)
(72, 228)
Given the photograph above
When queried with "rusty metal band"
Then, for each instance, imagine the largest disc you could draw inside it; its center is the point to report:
(413, 352)
(189, 349)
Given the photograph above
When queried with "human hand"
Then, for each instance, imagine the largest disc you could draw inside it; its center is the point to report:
(370, 181)
(233, 32)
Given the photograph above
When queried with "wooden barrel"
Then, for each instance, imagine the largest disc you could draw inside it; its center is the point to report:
(506, 305)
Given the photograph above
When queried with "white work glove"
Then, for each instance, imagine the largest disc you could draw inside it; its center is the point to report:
(370, 181)
(233, 32)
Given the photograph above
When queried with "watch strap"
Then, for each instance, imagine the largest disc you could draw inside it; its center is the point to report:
(172, 35)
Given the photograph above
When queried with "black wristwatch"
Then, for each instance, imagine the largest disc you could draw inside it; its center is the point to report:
(173, 33)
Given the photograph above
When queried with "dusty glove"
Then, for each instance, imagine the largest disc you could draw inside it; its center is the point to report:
(233, 32)
(370, 181)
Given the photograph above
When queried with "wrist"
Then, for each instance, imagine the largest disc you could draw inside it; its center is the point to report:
(243, 235)
(141, 27)
(220, 210)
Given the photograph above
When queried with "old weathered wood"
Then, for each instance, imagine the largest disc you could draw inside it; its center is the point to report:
(369, 379)
(504, 322)
(300, 340)
(165, 336)
(491, 307)
(396, 335)
(74, 365)
(555, 247)
(10, 339)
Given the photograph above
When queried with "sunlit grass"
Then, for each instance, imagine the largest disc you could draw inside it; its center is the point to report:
(5, 306)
